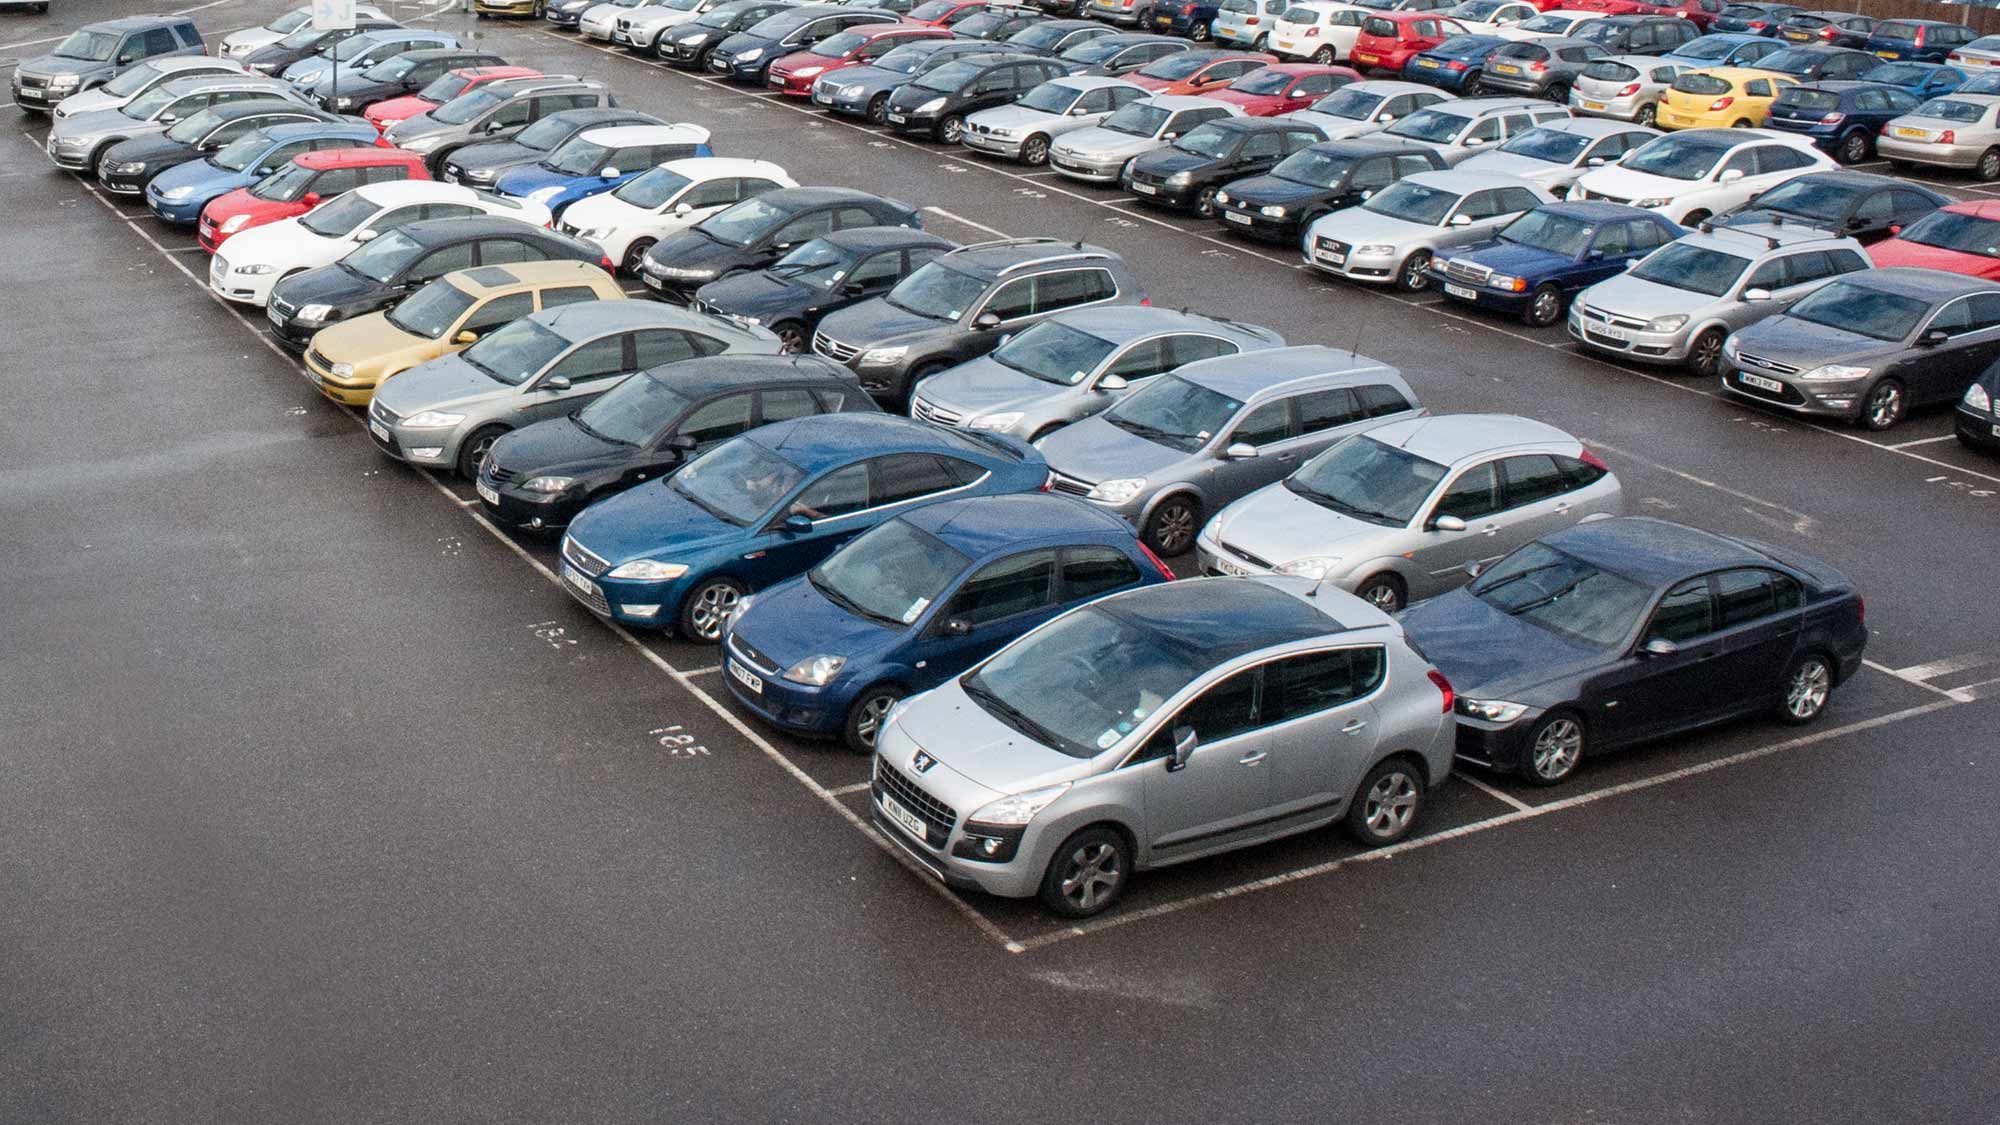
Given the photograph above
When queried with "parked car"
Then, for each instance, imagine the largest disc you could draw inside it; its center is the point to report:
(1835, 29)
(1962, 238)
(350, 60)
(1320, 32)
(178, 195)
(537, 478)
(938, 101)
(1360, 108)
(1389, 40)
(379, 272)
(130, 165)
(1539, 262)
(638, 29)
(1552, 156)
(1316, 181)
(493, 112)
(482, 164)
(1247, 24)
(600, 160)
(600, 21)
(1462, 129)
(1412, 509)
(944, 13)
(1680, 628)
(916, 601)
(1720, 98)
(1458, 64)
(1391, 239)
(409, 75)
(1869, 348)
(756, 232)
(1541, 68)
(1026, 129)
(1187, 174)
(1195, 72)
(769, 505)
(1186, 17)
(1120, 53)
(1739, 49)
(141, 77)
(1922, 79)
(1865, 207)
(1820, 64)
(238, 44)
(1564, 22)
(793, 75)
(1698, 13)
(1680, 302)
(1919, 40)
(1975, 422)
(1051, 38)
(98, 52)
(1758, 18)
(863, 91)
(688, 45)
(307, 42)
(1283, 88)
(1113, 739)
(1691, 175)
(1639, 35)
(78, 143)
(665, 200)
(1101, 153)
(1982, 54)
(1956, 131)
(1841, 118)
(1484, 17)
(440, 90)
(744, 56)
(997, 23)
(303, 184)
(1623, 88)
(831, 272)
(1123, 13)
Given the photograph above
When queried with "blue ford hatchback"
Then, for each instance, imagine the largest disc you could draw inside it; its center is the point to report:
(769, 505)
(600, 160)
(1542, 259)
(178, 194)
(918, 600)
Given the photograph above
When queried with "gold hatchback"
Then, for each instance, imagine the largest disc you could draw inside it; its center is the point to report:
(347, 361)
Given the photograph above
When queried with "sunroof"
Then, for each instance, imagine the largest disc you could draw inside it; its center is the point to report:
(492, 276)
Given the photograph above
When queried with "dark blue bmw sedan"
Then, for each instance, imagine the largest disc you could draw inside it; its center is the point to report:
(1542, 259)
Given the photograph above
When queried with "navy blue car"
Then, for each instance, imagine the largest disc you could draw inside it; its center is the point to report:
(1542, 259)
(1923, 80)
(1454, 64)
(1192, 18)
(1753, 18)
(1842, 118)
(769, 505)
(1919, 40)
(918, 600)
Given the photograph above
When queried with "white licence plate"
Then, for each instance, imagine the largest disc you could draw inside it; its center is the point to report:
(1996, 430)
(487, 493)
(823, 98)
(1333, 258)
(905, 819)
(1236, 217)
(1428, 64)
(1610, 333)
(276, 316)
(1462, 291)
(651, 281)
(1593, 105)
(1145, 189)
(897, 119)
(1760, 382)
(754, 683)
(576, 578)
(1227, 567)
(379, 430)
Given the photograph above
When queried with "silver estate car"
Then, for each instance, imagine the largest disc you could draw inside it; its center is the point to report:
(1024, 130)
(1623, 87)
(1405, 511)
(142, 78)
(1100, 153)
(1074, 365)
(1460, 130)
(76, 142)
(1392, 237)
(1953, 131)
(1677, 304)
(1368, 106)
(450, 411)
(1190, 442)
(1161, 725)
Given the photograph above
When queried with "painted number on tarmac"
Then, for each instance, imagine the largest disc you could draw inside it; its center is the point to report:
(1969, 488)
(678, 743)
(552, 634)
(1118, 222)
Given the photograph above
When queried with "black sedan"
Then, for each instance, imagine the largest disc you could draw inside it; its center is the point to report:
(1313, 181)
(1187, 174)
(646, 427)
(791, 295)
(402, 74)
(757, 232)
(1625, 630)
(1861, 205)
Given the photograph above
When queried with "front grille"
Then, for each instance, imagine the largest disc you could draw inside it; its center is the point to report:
(834, 349)
(592, 597)
(498, 475)
(382, 413)
(30, 82)
(939, 817)
(1071, 485)
(925, 411)
(1330, 246)
(1768, 364)
(1246, 556)
(749, 654)
(1601, 197)
(453, 173)
(1467, 272)
(318, 357)
(583, 558)
(282, 308)
(1591, 313)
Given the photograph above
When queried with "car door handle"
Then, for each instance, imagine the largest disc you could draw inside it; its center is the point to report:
(1562, 507)
(1251, 759)
(1353, 726)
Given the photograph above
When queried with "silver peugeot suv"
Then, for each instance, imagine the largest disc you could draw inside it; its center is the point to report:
(1162, 725)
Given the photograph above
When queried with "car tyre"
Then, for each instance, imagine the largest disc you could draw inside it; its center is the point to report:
(1261, 43)
(1695, 217)
(473, 449)
(1647, 115)
(1171, 529)
(1853, 147)
(706, 609)
(1204, 202)
(1474, 87)
(1387, 804)
(1384, 591)
(1988, 168)
(1884, 406)
(951, 130)
(1545, 307)
(1412, 278)
(1199, 32)
(793, 339)
(1558, 93)
(1705, 354)
(1088, 873)
(864, 718)
(1035, 151)
(1808, 686)
(1740, 123)
(1324, 55)
(878, 110)
(1555, 746)
(636, 253)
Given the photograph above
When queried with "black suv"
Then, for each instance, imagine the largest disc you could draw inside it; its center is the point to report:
(1186, 174)
(128, 166)
(846, 267)
(1638, 35)
(963, 304)
(1282, 203)
(406, 73)
(480, 164)
(377, 273)
(760, 230)
(937, 102)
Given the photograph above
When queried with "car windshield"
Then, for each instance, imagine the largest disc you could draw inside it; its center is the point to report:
(1807, 98)
(1413, 202)
(1138, 120)
(819, 264)
(1095, 51)
(1176, 66)
(1547, 24)
(936, 291)
(133, 80)
(738, 481)
(1699, 84)
(194, 127)
(1315, 167)
(93, 46)
(1379, 28)
(1596, 31)
(143, 107)
(338, 216)
(727, 17)
(1953, 230)
(1211, 140)
(1706, 48)
(1050, 97)
(743, 223)
(1552, 145)
(382, 258)
(238, 154)
(1434, 125)
(1696, 269)
(352, 46)
(467, 106)
(1238, 5)
(431, 310)
(1899, 74)
(1173, 412)
(652, 189)
(1084, 681)
(1564, 595)
(1891, 29)
(1262, 82)
(444, 88)
(578, 156)
(891, 574)
(1349, 103)
(633, 411)
(1855, 307)
(905, 59)
(285, 185)
(547, 133)
(838, 46)
(1945, 109)
(1364, 478)
(1477, 10)
(1054, 353)
(1811, 197)
(289, 22)
(950, 76)
(1792, 60)
(1676, 158)
(1550, 231)
(513, 354)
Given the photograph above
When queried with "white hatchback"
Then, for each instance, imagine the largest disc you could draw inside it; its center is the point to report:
(1694, 174)
(670, 198)
(1320, 32)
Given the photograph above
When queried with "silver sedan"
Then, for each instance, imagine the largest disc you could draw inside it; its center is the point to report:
(1391, 238)
(1953, 131)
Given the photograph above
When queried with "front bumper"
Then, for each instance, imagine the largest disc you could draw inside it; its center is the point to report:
(992, 145)
(752, 72)
(614, 598)
(1160, 195)
(1343, 259)
(1495, 745)
(1091, 171)
(816, 712)
(1926, 152)
(505, 7)
(180, 213)
(68, 155)
(349, 390)
(511, 508)
(1622, 109)
(1976, 429)
(1253, 223)
(39, 98)
(1623, 336)
(563, 19)
(904, 121)
(675, 290)
(243, 289)
(290, 332)
(436, 448)
(127, 183)
(1019, 877)
(1483, 296)
(1828, 398)
(845, 104)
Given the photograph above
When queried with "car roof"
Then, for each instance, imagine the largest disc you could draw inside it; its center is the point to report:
(1464, 180)
(251, 107)
(887, 237)
(360, 156)
(710, 374)
(431, 232)
(196, 83)
(1785, 235)
(1119, 323)
(1598, 211)
(1735, 137)
(479, 280)
(1929, 286)
(394, 192)
(615, 135)
(1003, 254)
(1248, 375)
(1653, 550)
(1449, 438)
(1850, 177)
(700, 168)
(816, 196)
(1249, 124)
(1978, 208)
(594, 318)
(1473, 107)
(1737, 74)
(1591, 126)
(1371, 143)
(425, 54)
(136, 23)
(978, 526)
(1390, 87)
(399, 34)
(1224, 618)
(171, 63)
(529, 83)
(1174, 103)
(329, 127)
(1092, 81)
(819, 441)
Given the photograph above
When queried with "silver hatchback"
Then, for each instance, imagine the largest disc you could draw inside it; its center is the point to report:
(1162, 725)
(1406, 511)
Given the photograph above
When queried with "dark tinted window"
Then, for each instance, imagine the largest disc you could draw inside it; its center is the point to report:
(1378, 399)
(443, 261)
(1684, 614)
(567, 295)
(905, 476)
(788, 402)
(1005, 588)
(837, 493)
(595, 360)
(500, 251)
(1268, 423)
(1223, 711)
(1090, 571)
(1320, 410)
(1533, 477)
(1744, 595)
(1579, 473)
(1475, 493)
(654, 346)
(1303, 685)
(716, 420)
(499, 311)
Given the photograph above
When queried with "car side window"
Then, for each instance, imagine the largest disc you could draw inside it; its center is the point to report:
(1122, 96)
(848, 218)
(1014, 299)
(1613, 239)
(1409, 164)
(906, 476)
(1532, 477)
(1955, 318)
(1372, 174)
(1744, 595)
(1875, 208)
(1260, 146)
(160, 41)
(1325, 409)
(999, 80)
(1064, 289)
(652, 347)
(597, 359)
(385, 173)
(1188, 349)
(567, 295)
(1487, 130)
(785, 403)
(805, 228)
(1312, 85)
(437, 211)
(1758, 88)
(1770, 275)
(1089, 571)
(1475, 493)
(1271, 422)
(188, 35)
(1378, 399)
(711, 193)
(1481, 205)
(1004, 588)
(1094, 101)
(513, 113)
(1307, 684)
(837, 493)
(1781, 158)
(1516, 199)
(502, 251)
(878, 271)
(442, 261)
(1517, 123)
(1686, 612)
(334, 181)
(1743, 160)
(1222, 712)
(1984, 310)
(1141, 360)
(499, 311)
(716, 420)
(1399, 107)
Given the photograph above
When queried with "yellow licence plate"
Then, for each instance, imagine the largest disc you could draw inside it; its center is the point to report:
(1506, 68)
(1593, 105)
(1906, 131)
(1886, 54)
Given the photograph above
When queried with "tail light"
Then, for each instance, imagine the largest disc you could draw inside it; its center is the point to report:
(1049, 485)
(1590, 457)
(1159, 564)
(606, 263)
(1828, 32)
(1454, 65)
(1250, 21)
(1759, 25)
(1538, 68)
(1948, 137)
(1443, 685)
(1146, 301)
(1628, 91)
(1860, 610)
(1187, 9)
(1833, 119)
(1312, 33)
(1919, 40)
(1719, 104)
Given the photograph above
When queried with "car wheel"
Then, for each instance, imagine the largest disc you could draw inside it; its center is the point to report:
(951, 130)
(1204, 202)
(1261, 43)
(1412, 278)
(1853, 147)
(707, 607)
(636, 253)
(1705, 354)
(1199, 33)
(878, 110)
(1557, 93)
(1555, 747)
(1808, 688)
(1647, 114)
(1384, 591)
(1087, 873)
(1324, 55)
(1695, 217)
(1989, 165)
(1473, 87)
(1386, 804)
(1035, 151)
(793, 338)
(1173, 525)
(474, 448)
(1883, 407)
(1740, 123)
(1545, 307)
(864, 719)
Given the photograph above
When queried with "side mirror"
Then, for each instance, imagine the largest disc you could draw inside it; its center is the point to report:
(169, 118)
(1660, 646)
(682, 442)
(1933, 338)
(493, 126)
(310, 199)
(1448, 523)
(365, 236)
(1112, 383)
(1461, 220)
(1475, 142)
(955, 627)
(1386, 118)
(1594, 162)
(1729, 176)
(986, 321)
(1474, 569)
(1240, 451)
(1170, 136)
(1369, 194)
(1077, 111)
(555, 383)
(1756, 294)
(1185, 740)
(683, 210)
(466, 336)
(610, 173)
(796, 524)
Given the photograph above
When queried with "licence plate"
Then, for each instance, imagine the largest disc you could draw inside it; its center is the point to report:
(753, 683)
(1366, 60)
(277, 317)
(897, 119)
(904, 819)
(379, 430)
(1886, 54)
(1797, 36)
(1333, 257)
(1428, 64)
(1906, 131)
(576, 578)
(1593, 105)
(1996, 430)
(822, 97)
(651, 281)
(1761, 383)
(1236, 217)
(1506, 68)
(1461, 291)
(1227, 567)
(1610, 333)
(487, 493)
(1145, 189)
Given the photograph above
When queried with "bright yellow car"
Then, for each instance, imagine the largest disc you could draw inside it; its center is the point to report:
(347, 361)
(1722, 98)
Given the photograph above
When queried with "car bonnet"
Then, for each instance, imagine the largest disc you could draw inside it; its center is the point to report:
(1278, 525)
(1095, 450)
(974, 747)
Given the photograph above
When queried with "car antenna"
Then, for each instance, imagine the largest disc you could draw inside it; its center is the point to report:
(1354, 349)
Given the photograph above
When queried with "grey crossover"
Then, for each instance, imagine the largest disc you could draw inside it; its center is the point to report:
(77, 142)
(98, 52)
(494, 111)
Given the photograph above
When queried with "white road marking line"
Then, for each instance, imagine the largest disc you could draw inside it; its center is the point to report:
(1946, 667)
(1490, 791)
(702, 671)
(1802, 524)
(1038, 175)
(1478, 826)
(1980, 690)
(1948, 693)
(1921, 441)
(201, 7)
(848, 790)
(942, 213)
(32, 42)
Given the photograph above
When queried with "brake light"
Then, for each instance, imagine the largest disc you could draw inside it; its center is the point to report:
(1833, 119)
(1919, 40)
(1828, 32)
(1590, 457)
(1760, 25)
(1860, 610)
(1250, 22)
(1443, 685)
(1719, 104)
(1454, 65)
(1629, 90)
(1159, 564)
(1146, 302)
(1948, 137)
(606, 263)
(1187, 9)
(1311, 32)
(1539, 67)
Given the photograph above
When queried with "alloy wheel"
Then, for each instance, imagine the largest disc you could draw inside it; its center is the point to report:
(1411, 279)
(1092, 876)
(1648, 114)
(713, 604)
(1989, 165)
(1204, 203)
(1885, 405)
(1390, 804)
(1199, 33)
(868, 717)
(1854, 149)
(951, 130)
(1546, 307)
(1173, 527)
(1705, 352)
(1557, 749)
(1383, 594)
(791, 338)
(1035, 151)
(1806, 693)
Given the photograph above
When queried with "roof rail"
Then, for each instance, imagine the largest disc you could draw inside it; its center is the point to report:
(1770, 242)
(1079, 254)
(998, 242)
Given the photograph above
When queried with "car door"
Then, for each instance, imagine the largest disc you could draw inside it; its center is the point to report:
(837, 505)
(998, 602)
(1758, 624)
(1271, 429)
(1650, 694)
(1258, 154)
(1942, 372)
(590, 369)
(707, 425)
(1223, 786)
(1443, 557)
(1534, 500)
(1323, 727)
(496, 313)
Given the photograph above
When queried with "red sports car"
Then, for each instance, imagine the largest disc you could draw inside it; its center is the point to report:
(1390, 39)
(1961, 238)
(308, 181)
(441, 90)
(1284, 87)
(793, 75)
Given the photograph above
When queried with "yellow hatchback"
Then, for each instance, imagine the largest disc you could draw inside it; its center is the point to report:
(347, 361)
(1722, 98)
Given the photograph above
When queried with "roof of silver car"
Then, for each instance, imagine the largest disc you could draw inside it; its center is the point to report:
(1250, 374)
(1119, 323)
(1224, 618)
(592, 318)
(1449, 438)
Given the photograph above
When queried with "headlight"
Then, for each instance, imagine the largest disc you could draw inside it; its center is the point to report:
(696, 40)
(751, 55)
(1117, 491)
(816, 670)
(1977, 398)
(63, 81)
(177, 193)
(742, 606)
(1179, 179)
(313, 312)
(1222, 197)
(342, 370)
(1667, 323)
(1834, 371)
(342, 103)
(931, 106)
(433, 420)
(1314, 567)
(1001, 134)
(884, 355)
(258, 270)
(1492, 710)
(592, 234)
(1272, 212)
(424, 143)
(684, 273)
(1502, 281)
(235, 223)
(1729, 347)
(995, 421)
(1376, 248)
(1020, 808)
(807, 71)
(128, 168)
(1643, 204)
(646, 570)
(543, 195)
(547, 484)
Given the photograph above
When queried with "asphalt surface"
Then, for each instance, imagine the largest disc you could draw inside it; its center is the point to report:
(322, 801)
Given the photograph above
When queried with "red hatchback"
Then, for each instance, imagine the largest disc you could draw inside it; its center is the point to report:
(1700, 13)
(794, 74)
(1284, 87)
(441, 90)
(1960, 238)
(1390, 39)
(302, 185)
(1195, 72)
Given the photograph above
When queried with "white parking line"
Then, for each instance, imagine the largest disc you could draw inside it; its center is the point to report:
(702, 671)
(942, 213)
(848, 790)
(1490, 791)
(1922, 441)
(1956, 694)
(1947, 666)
